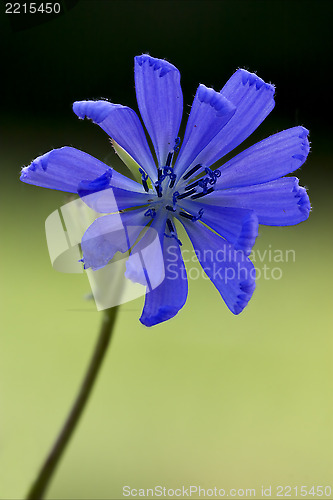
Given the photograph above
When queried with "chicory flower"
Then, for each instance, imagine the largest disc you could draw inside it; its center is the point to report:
(220, 208)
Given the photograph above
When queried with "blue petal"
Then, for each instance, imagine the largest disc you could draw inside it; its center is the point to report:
(145, 264)
(62, 169)
(209, 114)
(110, 234)
(101, 196)
(86, 188)
(237, 225)
(230, 270)
(110, 199)
(267, 160)
(65, 168)
(281, 202)
(160, 101)
(164, 302)
(254, 100)
(123, 125)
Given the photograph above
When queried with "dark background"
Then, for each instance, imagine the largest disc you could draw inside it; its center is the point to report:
(88, 51)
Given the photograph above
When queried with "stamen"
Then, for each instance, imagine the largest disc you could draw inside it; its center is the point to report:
(200, 214)
(185, 195)
(193, 218)
(172, 232)
(82, 260)
(158, 188)
(192, 171)
(174, 198)
(167, 171)
(173, 178)
(213, 175)
(177, 144)
(210, 178)
(203, 184)
(170, 226)
(144, 179)
(151, 212)
(169, 159)
(200, 195)
(186, 216)
(171, 209)
(190, 186)
(173, 235)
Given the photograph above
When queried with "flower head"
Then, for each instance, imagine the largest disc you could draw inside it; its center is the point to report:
(219, 208)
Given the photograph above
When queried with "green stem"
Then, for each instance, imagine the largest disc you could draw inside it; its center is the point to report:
(38, 489)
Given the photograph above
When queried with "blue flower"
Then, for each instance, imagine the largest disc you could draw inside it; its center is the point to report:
(219, 208)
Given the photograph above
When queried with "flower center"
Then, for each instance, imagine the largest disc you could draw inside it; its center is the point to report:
(169, 196)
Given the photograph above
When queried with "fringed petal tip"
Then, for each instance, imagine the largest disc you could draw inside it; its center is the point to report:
(164, 313)
(304, 146)
(247, 288)
(122, 124)
(158, 64)
(303, 132)
(216, 100)
(248, 234)
(39, 163)
(24, 174)
(63, 169)
(253, 79)
(303, 200)
(91, 265)
(96, 111)
(90, 261)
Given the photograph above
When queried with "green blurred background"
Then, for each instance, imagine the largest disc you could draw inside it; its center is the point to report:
(206, 399)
